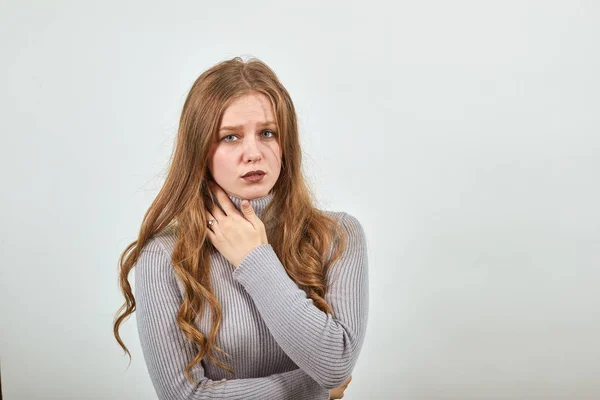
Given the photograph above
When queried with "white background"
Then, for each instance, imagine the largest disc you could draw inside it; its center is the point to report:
(464, 135)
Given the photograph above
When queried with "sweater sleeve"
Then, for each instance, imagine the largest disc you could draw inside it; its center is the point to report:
(167, 351)
(327, 348)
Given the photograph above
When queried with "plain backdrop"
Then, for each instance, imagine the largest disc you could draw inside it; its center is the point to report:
(464, 136)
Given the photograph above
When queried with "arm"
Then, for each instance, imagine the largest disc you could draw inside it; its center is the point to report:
(167, 351)
(326, 348)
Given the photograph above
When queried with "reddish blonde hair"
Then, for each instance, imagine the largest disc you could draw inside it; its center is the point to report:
(305, 239)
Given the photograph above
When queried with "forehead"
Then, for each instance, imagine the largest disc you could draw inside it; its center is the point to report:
(248, 108)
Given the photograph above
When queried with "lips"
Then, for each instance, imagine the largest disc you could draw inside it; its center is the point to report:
(256, 172)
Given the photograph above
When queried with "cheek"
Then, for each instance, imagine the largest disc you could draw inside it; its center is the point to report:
(222, 162)
(276, 152)
(215, 161)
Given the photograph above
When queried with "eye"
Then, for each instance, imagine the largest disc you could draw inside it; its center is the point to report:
(225, 137)
(272, 134)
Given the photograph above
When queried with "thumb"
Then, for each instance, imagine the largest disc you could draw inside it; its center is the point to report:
(247, 209)
(251, 217)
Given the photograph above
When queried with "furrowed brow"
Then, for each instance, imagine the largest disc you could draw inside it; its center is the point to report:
(235, 128)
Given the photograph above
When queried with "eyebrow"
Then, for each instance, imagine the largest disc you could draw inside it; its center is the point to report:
(235, 128)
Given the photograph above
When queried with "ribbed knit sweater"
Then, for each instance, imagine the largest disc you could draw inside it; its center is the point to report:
(281, 345)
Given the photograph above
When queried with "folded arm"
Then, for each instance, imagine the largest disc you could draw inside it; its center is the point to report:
(167, 351)
(326, 347)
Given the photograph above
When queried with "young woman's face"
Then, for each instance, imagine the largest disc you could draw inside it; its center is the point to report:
(247, 141)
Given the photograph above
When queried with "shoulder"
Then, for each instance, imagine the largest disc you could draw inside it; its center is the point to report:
(162, 242)
(345, 219)
(155, 256)
(354, 257)
(351, 225)
(155, 261)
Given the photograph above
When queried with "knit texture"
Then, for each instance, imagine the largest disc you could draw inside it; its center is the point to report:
(281, 345)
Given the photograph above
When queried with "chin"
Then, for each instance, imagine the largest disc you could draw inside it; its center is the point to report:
(252, 193)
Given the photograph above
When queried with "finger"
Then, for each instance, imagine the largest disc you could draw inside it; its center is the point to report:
(215, 224)
(347, 382)
(211, 236)
(214, 202)
(217, 213)
(216, 207)
(249, 214)
(224, 200)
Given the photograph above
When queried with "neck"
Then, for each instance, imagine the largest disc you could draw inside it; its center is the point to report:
(258, 205)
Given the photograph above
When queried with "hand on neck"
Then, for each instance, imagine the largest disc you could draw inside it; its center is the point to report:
(258, 204)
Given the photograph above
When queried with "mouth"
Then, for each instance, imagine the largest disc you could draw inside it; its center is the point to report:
(254, 173)
(254, 178)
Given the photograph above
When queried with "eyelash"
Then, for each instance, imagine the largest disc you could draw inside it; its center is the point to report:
(268, 130)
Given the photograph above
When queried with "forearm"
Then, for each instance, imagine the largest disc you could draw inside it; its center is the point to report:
(167, 351)
(327, 348)
(292, 385)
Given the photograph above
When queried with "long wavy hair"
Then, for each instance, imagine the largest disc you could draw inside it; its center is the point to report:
(306, 240)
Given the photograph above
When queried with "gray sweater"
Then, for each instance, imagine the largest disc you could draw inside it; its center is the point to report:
(282, 346)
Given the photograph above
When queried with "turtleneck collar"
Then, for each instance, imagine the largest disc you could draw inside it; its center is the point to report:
(258, 204)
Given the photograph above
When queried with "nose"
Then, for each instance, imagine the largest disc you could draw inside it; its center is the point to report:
(251, 149)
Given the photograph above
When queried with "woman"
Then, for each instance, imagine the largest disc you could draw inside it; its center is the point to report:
(243, 289)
